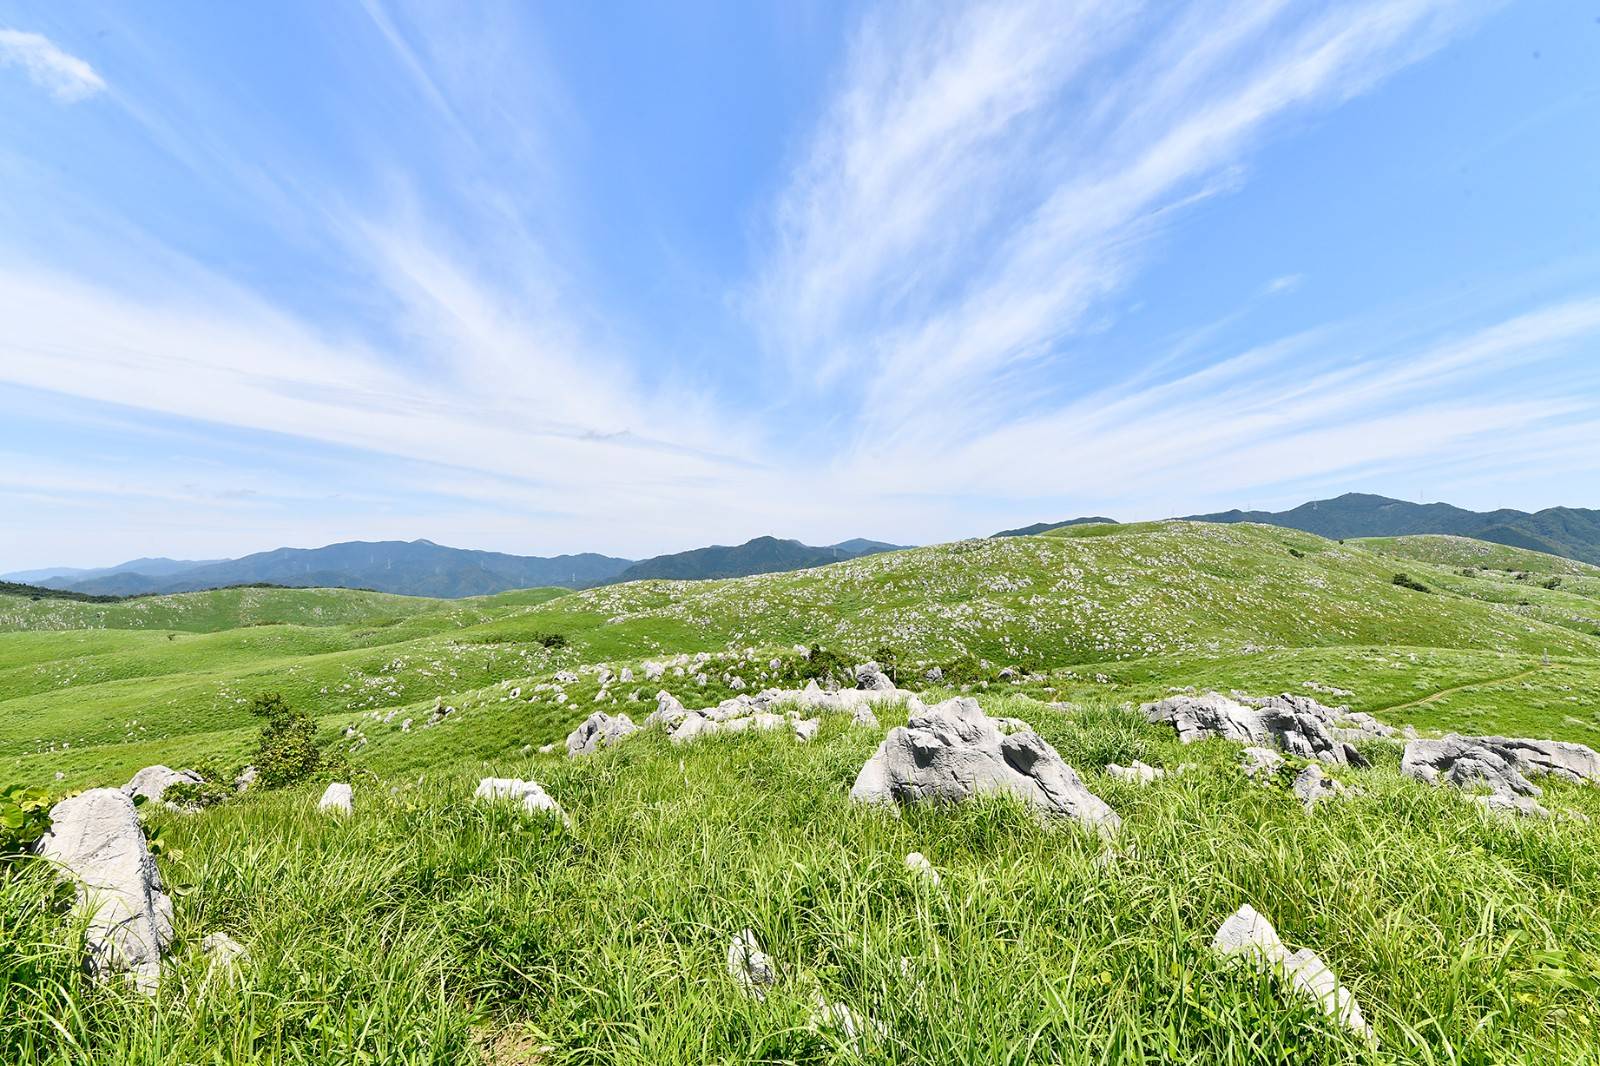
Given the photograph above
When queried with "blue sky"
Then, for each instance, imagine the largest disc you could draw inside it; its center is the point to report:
(638, 277)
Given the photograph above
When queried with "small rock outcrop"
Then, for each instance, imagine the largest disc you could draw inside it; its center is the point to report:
(337, 799)
(597, 731)
(918, 864)
(1248, 935)
(533, 798)
(153, 781)
(1494, 763)
(1311, 786)
(749, 966)
(1260, 762)
(1139, 773)
(95, 838)
(953, 751)
(871, 678)
(224, 951)
(1292, 724)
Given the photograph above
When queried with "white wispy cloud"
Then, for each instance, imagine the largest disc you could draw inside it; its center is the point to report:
(63, 75)
(983, 183)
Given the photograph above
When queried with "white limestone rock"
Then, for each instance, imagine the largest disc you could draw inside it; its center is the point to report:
(953, 751)
(750, 967)
(1139, 773)
(96, 840)
(337, 798)
(1249, 936)
(529, 794)
(597, 731)
(153, 781)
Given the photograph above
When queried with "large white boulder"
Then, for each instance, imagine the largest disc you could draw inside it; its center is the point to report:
(95, 838)
(953, 751)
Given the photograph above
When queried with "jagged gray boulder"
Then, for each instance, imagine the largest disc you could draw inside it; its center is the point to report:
(953, 751)
(1342, 722)
(597, 731)
(1574, 762)
(870, 677)
(1464, 763)
(153, 781)
(337, 798)
(1498, 764)
(95, 838)
(1290, 726)
(246, 779)
(1248, 935)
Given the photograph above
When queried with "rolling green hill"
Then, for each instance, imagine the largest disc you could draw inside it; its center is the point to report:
(1108, 612)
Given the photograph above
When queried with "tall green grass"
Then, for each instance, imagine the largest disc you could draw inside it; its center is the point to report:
(428, 928)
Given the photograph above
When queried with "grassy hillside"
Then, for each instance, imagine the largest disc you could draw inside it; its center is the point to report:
(429, 929)
(1092, 612)
(432, 929)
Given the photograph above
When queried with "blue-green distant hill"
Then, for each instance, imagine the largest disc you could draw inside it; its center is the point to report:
(1567, 531)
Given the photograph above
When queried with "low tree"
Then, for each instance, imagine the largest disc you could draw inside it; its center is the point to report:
(287, 752)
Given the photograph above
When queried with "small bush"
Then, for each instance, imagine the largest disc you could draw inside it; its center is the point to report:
(204, 794)
(553, 641)
(1297, 553)
(1407, 582)
(287, 752)
(886, 657)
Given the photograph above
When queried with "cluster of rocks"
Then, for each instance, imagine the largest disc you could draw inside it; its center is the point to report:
(747, 712)
(953, 751)
(1294, 724)
(1501, 765)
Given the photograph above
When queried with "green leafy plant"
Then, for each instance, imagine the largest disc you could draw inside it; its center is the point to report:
(553, 641)
(24, 818)
(287, 752)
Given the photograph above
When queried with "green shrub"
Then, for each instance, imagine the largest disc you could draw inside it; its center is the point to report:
(24, 818)
(553, 641)
(287, 752)
(1407, 582)
(205, 794)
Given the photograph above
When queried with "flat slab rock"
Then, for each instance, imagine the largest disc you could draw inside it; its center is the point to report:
(97, 841)
(953, 751)
(1295, 725)
(1248, 935)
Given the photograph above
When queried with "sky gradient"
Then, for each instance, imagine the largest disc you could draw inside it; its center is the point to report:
(634, 278)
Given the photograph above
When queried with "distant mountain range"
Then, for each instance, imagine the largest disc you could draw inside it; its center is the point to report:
(1045, 527)
(423, 568)
(764, 555)
(1567, 531)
